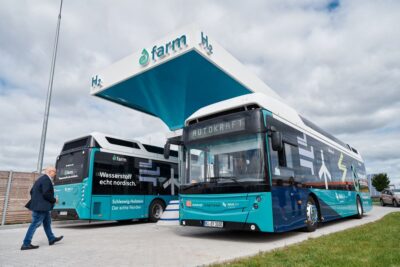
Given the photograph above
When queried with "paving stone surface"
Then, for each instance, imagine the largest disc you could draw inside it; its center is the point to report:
(146, 244)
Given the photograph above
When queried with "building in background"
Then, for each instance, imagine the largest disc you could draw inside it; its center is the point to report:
(372, 190)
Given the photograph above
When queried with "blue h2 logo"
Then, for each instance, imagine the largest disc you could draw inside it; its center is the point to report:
(204, 42)
(97, 82)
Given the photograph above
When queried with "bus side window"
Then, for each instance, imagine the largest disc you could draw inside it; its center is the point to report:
(285, 156)
(282, 158)
(274, 159)
(289, 155)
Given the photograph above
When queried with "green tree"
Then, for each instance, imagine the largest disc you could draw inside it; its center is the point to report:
(380, 181)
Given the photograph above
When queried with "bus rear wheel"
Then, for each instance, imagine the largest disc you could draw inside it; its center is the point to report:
(360, 211)
(312, 215)
(155, 210)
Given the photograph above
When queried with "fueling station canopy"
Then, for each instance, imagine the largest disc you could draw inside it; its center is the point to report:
(174, 77)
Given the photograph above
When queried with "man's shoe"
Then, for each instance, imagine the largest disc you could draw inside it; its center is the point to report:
(30, 246)
(55, 240)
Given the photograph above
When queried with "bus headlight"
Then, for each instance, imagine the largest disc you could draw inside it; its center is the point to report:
(83, 193)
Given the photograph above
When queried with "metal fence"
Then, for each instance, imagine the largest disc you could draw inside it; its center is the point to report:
(14, 194)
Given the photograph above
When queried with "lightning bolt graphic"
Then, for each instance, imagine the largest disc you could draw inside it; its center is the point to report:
(342, 167)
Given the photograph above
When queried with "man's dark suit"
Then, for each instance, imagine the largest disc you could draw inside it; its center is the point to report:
(41, 203)
(42, 195)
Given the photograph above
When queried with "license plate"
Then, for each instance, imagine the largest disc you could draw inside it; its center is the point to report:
(217, 224)
(62, 213)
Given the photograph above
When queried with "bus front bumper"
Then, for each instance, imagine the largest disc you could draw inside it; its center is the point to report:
(244, 211)
(223, 224)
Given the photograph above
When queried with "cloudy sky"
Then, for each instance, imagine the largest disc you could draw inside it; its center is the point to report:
(337, 63)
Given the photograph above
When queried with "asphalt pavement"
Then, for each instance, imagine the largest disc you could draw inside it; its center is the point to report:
(147, 244)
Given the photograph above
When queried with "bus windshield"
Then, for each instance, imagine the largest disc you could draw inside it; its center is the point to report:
(71, 167)
(229, 160)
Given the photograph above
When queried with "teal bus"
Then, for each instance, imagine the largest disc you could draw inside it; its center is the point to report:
(252, 163)
(103, 177)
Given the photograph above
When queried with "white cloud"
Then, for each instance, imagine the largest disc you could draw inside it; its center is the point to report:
(340, 69)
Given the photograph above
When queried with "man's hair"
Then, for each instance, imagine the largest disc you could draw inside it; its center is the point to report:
(49, 168)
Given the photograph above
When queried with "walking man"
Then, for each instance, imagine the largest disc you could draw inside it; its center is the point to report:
(41, 203)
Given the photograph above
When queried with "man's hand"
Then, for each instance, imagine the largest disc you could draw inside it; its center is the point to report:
(56, 200)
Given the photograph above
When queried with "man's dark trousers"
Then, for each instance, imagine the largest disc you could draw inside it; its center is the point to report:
(39, 217)
(41, 203)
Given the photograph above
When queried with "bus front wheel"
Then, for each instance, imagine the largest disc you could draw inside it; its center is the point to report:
(312, 215)
(360, 211)
(155, 210)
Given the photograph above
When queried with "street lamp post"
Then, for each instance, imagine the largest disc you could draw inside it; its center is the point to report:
(48, 98)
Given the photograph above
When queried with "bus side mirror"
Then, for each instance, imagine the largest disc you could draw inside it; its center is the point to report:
(167, 148)
(277, 143)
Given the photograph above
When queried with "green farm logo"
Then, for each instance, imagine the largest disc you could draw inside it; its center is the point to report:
(144, 59)
(118, 158)
(159, 52)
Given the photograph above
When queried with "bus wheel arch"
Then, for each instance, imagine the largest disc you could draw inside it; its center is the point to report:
(313, 213)
(156, 208)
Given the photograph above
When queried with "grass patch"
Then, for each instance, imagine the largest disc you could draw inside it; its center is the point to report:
(376, 201)
(373, 244)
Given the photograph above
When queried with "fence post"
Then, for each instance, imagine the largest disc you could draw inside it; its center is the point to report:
(3, 219)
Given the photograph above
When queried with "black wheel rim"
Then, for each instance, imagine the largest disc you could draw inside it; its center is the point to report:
(359, 208)
(312, 213)
(157, 210)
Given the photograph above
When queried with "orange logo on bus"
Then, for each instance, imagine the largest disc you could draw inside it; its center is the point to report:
(188, 203)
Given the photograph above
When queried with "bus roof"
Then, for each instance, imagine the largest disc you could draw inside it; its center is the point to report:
(280, 111)
(116, 144)
(175, 76)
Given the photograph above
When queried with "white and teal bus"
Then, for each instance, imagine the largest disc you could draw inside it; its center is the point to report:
(252, 163)
(103, 177)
